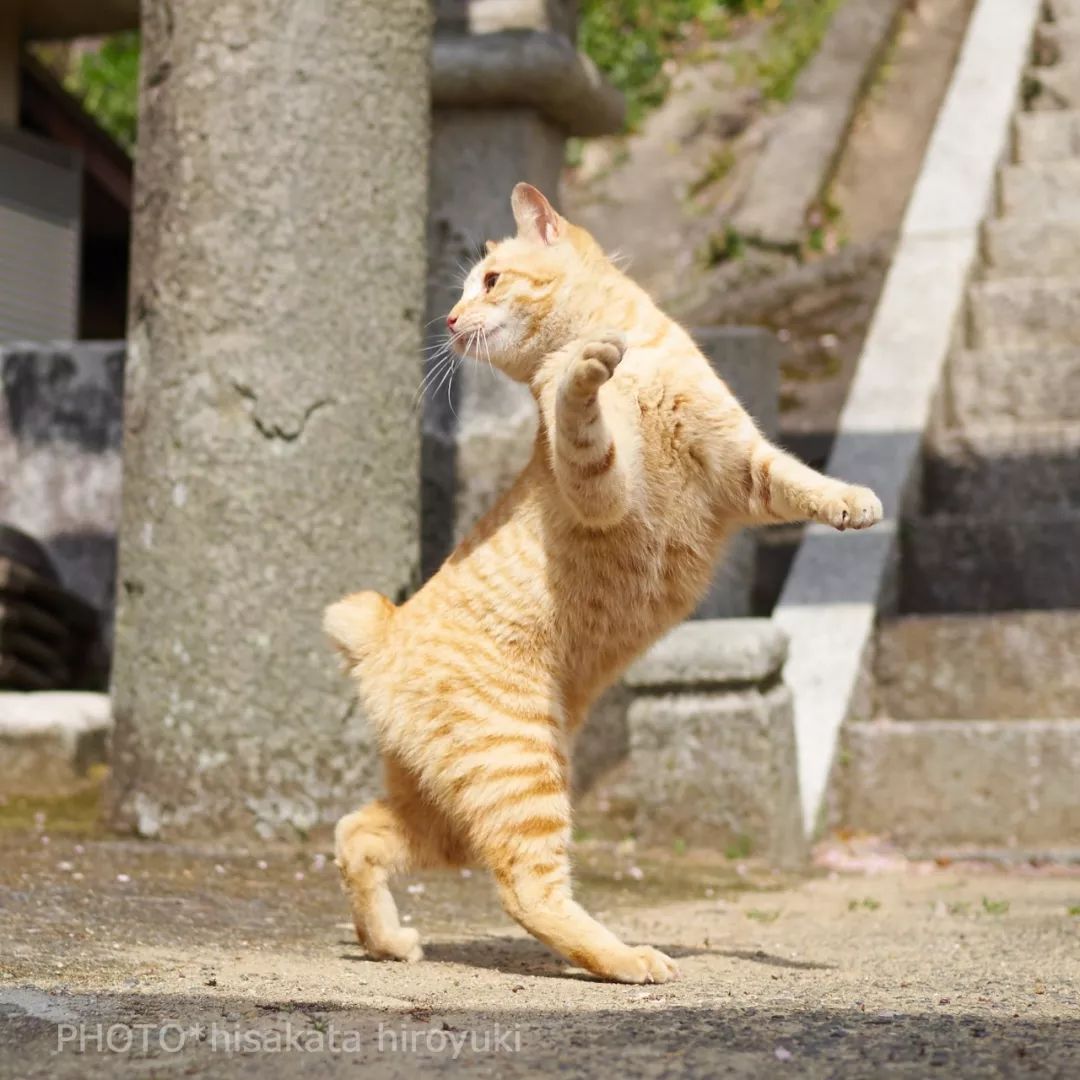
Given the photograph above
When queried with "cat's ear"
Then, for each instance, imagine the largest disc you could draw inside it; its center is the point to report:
(489, 247)
(535, 216)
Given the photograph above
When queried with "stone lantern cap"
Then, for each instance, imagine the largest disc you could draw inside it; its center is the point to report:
(531, 68)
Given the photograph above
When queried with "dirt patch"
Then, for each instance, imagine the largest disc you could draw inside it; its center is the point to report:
(881, 966)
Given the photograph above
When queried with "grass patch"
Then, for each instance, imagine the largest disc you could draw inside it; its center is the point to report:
(742, 847)
(631, 40)
(763, 915)
(78, 811)
(995, 907)
(867, 903)
(793, 38)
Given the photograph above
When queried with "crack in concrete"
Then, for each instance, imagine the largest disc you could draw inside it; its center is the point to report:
(277, 431)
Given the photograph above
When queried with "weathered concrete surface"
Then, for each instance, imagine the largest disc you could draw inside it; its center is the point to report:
(271, 455)
(905, 973)
(712, 743)
(711, 653)
(933, 784)
(530, 69)
(1014, 385)
(50, 741)
(1001, 468)
(1046, 136)
(1031, 247)
(718, 769)
(60, 433)
(947, 561)
(1018, 665)
(802, 148)
(1025, 312)
(1049, 188)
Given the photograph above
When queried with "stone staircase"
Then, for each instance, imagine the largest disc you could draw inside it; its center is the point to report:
(975, 740)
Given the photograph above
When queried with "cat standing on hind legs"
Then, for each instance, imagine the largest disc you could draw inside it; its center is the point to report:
(644, 465)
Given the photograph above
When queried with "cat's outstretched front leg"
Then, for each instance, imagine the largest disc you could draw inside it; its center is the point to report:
(589, 441)
(779, 488)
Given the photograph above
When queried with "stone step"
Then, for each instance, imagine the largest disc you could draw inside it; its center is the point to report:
(1046, 136)
(1019, 385)
(956, 562)
(1057, 42)
(999, 468)
(1008, 666)
(1051, 89)
(1032, 247)
(1018, 312)
(933, 784)
(1062, 11)
(1043, 189)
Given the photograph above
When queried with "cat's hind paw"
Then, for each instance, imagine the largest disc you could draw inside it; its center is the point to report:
(403, 944)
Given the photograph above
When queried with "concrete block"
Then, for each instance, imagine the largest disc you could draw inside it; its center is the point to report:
(1046, 136)
(1017, 665)
(712, 653)
(1031, 247)
(985, 783)
(61, 424)
(1044, 189)
(968, 563)
(49, 741)
(1003, 468)
(1025, 312)
(1015, 385)
(718, 770)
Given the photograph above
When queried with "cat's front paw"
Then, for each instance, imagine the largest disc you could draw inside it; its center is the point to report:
(594, 364)
(852, 508)
(643, 964)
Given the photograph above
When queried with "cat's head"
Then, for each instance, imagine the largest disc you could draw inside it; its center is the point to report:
(530, 294)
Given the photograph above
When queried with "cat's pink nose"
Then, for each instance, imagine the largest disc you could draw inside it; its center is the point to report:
(451, 322)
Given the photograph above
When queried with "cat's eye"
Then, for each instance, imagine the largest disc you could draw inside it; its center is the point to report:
(489, 280)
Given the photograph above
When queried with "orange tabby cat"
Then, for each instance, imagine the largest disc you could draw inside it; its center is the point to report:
(644, 464)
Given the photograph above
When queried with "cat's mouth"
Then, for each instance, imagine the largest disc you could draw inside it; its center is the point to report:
(477, 343)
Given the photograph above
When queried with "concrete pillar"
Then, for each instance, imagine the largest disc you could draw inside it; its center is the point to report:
(9, 65)
(271, 447)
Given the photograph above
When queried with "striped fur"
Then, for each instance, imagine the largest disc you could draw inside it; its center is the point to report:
(644, 464)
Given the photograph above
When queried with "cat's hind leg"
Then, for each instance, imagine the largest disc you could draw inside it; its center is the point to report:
(532, 870)
(369, 846)
(537, 895)
(387, 837)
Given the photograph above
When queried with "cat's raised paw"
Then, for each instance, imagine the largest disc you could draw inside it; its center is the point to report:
(595, 363)
(854, 508)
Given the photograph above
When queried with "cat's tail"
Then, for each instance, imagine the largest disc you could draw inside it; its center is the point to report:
(357, 624)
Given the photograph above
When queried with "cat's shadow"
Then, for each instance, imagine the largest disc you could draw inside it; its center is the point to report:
(524, 956)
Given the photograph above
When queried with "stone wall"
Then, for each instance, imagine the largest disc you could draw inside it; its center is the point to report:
(60, 456)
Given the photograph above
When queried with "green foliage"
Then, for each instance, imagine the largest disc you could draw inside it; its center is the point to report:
(995, 907)
(629, 40)
(793, 39)
(107, 84)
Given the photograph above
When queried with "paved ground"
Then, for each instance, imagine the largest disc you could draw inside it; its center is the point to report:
(124, 958)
